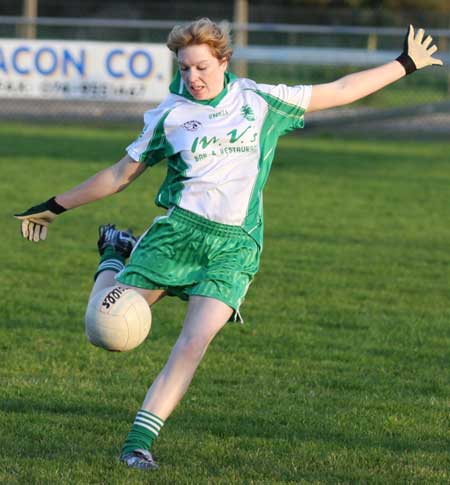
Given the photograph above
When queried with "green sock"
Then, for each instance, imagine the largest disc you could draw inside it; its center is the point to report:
(144, 431)
(110, 253)
(110, 260)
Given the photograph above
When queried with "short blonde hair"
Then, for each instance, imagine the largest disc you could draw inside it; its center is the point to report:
(202, 31)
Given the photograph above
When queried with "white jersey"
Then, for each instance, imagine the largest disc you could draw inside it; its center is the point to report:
(220, 151)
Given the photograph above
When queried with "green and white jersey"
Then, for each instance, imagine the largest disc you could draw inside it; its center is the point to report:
(220, 151)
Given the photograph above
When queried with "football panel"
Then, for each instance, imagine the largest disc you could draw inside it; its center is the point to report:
(139, 321)
(107, 331)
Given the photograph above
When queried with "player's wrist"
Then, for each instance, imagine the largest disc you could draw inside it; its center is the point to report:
(54, 206)
(407, 63)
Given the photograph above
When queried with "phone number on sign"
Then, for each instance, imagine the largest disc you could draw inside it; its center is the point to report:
(58, 89)
(92, 89)
(19, 88)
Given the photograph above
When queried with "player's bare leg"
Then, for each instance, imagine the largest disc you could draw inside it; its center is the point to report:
(205, 317)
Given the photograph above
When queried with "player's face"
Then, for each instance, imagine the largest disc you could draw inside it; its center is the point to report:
(202, 73)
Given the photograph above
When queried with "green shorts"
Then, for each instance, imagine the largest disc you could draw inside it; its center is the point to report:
(186, 254)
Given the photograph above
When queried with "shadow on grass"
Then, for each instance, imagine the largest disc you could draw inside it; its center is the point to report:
(56, 430)
(192, 423)
(257, 427)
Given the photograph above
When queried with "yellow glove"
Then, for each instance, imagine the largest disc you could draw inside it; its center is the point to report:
(417, 51)
(36, 219)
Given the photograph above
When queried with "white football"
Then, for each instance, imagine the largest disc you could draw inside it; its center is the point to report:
(118, 319)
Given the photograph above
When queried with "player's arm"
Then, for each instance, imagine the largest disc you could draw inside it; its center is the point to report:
(106, 182)
(417, 53)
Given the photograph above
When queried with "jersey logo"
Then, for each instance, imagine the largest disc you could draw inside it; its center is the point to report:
(219, 114)
(192, 125)
(248, 113)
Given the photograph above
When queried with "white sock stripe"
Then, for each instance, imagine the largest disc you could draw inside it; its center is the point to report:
(147, 426)
(148, 421)
(111, 264)
(114, 264)
(118, 267)
(147, 414)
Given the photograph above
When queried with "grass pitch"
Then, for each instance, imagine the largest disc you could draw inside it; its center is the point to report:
(340, 374)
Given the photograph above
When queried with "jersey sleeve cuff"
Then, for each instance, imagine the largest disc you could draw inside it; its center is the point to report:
(134, 154)
(307, 93)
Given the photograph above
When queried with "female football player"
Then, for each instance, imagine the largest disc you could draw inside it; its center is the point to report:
(219, 135)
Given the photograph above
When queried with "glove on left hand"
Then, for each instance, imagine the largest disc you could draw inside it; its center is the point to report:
(417, 51)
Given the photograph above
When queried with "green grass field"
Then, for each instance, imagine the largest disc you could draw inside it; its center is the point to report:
(340, 374)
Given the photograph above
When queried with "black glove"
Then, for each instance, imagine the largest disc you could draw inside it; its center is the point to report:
(417, 51)
(36, 219)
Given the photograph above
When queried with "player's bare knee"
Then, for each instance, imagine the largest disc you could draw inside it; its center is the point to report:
(192, 347)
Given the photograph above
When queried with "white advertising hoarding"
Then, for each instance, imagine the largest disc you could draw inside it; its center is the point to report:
(98, 71)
